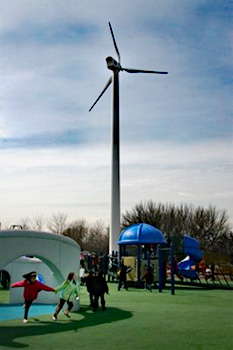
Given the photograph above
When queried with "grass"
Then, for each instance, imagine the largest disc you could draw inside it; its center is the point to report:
(4, 296)
(193, 319)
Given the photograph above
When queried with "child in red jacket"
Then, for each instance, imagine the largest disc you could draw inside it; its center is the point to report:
(31, 289)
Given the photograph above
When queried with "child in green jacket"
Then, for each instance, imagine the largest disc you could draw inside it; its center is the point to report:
(68, 291)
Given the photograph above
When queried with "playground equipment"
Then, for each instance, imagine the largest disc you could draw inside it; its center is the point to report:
(143, 245)
(58, 254)
(193, 270)
(185, 268)
(146, 239)
(194, 256)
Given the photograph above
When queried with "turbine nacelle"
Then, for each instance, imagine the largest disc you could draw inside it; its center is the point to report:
(113, 64)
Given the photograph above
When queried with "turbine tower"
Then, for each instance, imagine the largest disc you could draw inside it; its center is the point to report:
(115, 67)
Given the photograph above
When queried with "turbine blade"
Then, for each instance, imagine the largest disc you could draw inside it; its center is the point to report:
(106, 86)
(114, 41)
(129, 70)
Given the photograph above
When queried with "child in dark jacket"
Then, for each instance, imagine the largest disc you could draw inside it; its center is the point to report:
(100, 288)
(90, 286)
(31, 289)
(148, 277)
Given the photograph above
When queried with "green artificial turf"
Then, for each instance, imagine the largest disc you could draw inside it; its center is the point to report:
(134, 320)
(4, 296)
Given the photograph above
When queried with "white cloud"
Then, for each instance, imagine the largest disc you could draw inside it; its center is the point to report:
(77, 180)
(176, 130)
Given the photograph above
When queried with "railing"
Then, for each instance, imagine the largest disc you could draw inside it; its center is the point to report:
(221, 279)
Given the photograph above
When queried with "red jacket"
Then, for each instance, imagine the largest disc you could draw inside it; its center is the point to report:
(31, 290)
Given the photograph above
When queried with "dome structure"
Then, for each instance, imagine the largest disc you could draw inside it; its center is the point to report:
(141, 234)
(56, 255)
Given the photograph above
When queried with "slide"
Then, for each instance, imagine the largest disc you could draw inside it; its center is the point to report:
(185, 268)
(194, 255)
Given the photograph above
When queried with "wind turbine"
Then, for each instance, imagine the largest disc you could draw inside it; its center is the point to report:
(115, 67)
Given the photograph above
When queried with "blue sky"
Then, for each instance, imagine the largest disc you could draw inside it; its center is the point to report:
(176, 129)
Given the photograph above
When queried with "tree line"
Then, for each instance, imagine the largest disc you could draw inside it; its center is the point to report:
(92, 237)
(208, 225)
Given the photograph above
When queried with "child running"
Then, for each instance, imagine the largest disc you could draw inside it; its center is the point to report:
(68, 291)
(148, 277)
(31, 289)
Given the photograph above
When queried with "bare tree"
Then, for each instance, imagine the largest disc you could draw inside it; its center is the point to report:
(58, 223)
(98, 238)
(25, 223)
(37, 223)
(92, 237)
(209, 225)
(78, 231)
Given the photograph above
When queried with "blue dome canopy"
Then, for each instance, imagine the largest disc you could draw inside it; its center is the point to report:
(141, 234)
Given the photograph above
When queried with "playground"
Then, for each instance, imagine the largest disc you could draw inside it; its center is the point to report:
(193, 319)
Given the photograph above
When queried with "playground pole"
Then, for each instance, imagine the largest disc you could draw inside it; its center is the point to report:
(172, 270)
(148, 258)
(160, 269)
(120, 254)
(138, 264)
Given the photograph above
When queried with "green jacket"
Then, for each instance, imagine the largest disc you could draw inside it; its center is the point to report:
(68, 290)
